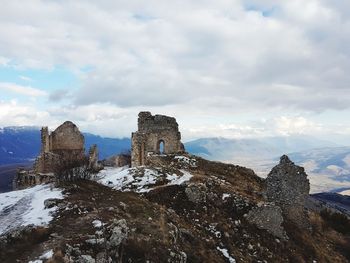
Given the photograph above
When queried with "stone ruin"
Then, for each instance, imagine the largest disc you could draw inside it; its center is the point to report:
(157, 134)
(64, 143)
(63, 146)
(287, 192)
(288, 187)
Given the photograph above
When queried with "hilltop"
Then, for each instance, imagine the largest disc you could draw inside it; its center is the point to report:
(178, 209)
(162, 204)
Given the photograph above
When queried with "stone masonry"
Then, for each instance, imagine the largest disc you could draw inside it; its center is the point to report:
(66, 142)
(287, 186)
(154, 131)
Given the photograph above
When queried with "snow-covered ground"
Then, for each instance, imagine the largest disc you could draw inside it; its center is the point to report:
(26, 207)
(139, 179)
(47, 255)
(226, 254)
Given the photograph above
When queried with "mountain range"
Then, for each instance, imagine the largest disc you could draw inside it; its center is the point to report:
(22, 144)
(327, 163)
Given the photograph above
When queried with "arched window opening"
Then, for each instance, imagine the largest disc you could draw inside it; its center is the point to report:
(161, 147)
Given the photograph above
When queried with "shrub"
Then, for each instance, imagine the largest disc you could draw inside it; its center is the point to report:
(337, 221)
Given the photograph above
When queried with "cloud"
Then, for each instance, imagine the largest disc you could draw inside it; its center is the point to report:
(25, 78)
(4, 61)
(209, 63)
(58, 95)
(21, 90)
(17, 114)
(188, 51)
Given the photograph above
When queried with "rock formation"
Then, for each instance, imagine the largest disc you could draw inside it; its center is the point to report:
(156, 134)
(269, 217)
(288, 187)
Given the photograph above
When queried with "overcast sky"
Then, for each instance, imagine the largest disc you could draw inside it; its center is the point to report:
(228, 68)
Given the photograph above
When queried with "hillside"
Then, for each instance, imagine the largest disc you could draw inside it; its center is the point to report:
(178, 209)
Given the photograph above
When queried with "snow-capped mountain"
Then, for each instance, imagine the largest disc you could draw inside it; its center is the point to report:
(19, 144)
(22, 144)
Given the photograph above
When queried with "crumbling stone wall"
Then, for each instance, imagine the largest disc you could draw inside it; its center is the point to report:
(94, 164)
(288, 187)
(153, 131)
(65, 143)
(119, 160)
(25, 178)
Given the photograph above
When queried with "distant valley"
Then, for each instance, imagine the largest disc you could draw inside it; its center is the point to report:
(327, 164)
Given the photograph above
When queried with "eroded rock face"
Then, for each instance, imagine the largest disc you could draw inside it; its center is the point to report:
(269, 217)
(288, 187)
(156, 134)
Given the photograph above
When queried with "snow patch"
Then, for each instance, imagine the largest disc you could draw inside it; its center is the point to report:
(139, 179)
(192, 162)
(226, 254)
(47, 255)
(224, 196)
(97, 223)
(26, 207)
(186, 176)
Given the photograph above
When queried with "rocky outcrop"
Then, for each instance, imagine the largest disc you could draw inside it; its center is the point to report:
(196, 192)
(119, 232)
(288, 187)
(269, 217)
(156, 134)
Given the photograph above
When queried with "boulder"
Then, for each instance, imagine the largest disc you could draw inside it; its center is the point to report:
(196, 192)
(268, 217)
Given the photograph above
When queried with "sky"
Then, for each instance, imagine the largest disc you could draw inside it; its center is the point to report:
(228, 68)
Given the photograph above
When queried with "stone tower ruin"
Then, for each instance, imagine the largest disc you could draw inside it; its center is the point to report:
(65, 143)
(157, 134)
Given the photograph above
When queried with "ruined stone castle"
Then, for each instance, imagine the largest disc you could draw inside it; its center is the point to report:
(62, 147)
(64, 143)
(156, 134)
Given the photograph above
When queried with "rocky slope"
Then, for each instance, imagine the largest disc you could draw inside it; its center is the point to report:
(179, 209)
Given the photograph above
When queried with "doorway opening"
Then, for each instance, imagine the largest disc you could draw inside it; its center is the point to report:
(161, 147)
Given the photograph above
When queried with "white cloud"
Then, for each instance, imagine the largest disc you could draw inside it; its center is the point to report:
(17, 114)
(4, 61)
(170, 53)
(25, 78)
(207, 63)
(295, 125)
(21, 90)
